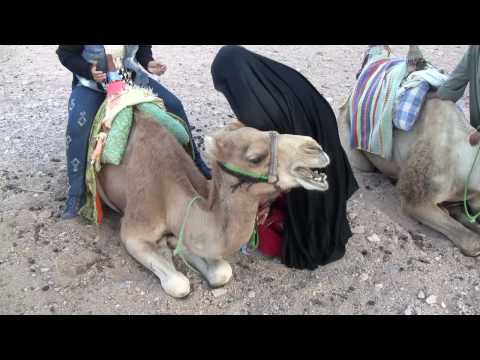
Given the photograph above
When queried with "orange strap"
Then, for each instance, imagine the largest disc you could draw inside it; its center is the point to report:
(98, 205)
(97, 153)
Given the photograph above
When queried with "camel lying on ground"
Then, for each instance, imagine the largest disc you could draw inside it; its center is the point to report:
(431, 163)
(157, 183)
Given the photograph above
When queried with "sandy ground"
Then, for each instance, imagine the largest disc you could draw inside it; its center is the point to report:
(49, 266)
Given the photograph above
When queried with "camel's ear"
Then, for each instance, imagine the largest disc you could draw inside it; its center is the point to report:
(211, 149)
(234, 126)
(215, 141)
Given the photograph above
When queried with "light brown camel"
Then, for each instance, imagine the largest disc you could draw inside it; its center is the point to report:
(157, 181)
(431, 163)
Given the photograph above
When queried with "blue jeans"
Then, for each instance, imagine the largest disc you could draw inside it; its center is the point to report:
(82, 108)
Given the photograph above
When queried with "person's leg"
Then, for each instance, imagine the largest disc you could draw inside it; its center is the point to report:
(82, 108)
(174, 105)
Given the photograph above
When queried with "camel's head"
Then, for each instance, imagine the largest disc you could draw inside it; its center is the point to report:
(270, 163)
(267, 164)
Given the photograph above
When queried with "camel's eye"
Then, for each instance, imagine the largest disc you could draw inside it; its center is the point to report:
(256, 158)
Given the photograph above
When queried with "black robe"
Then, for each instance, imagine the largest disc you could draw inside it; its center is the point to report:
(267, 95)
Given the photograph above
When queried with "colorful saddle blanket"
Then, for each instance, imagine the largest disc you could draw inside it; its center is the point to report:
(372, 104)
(386, 96)
(110, 133)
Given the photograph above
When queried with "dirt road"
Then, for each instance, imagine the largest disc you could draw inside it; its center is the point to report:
(48, 266)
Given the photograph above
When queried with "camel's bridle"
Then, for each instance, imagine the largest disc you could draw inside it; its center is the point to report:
(253, 177)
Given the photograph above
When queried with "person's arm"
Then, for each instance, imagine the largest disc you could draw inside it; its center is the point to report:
(145, 58)
(454, 88)
(144, 55)
(71, 57)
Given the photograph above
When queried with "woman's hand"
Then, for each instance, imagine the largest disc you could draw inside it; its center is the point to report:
(98, 76)
(156, 68)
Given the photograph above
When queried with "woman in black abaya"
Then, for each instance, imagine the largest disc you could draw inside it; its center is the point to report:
(267, 95)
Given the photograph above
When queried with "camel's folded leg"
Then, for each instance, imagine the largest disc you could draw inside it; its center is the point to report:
(457, 211)
(359, 161)
(142, 247)
(217, 272)
(431, 215)
(474, 204)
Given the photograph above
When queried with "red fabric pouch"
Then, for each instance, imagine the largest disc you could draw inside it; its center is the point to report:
(271, 231)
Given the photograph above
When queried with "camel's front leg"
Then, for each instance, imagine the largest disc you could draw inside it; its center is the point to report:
(457, 211)
(431, 215)
(217, 272)
(359, 161)
(141, 246)
(474, 205)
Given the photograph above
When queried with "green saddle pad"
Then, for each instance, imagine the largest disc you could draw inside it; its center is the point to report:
(117, 139)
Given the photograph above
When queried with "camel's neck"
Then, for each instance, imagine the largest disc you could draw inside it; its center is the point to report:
(226, 220)
(474, 181)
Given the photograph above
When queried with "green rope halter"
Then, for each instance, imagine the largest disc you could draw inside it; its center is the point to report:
(236, 170)
(271, 177)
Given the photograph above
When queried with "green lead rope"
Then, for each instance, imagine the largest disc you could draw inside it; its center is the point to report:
(254, 239)
(252, 243)
(470, 217)
(179, 248)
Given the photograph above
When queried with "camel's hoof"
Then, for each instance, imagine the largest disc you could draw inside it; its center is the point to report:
(473, 251)
(220, 274)
(177, 286)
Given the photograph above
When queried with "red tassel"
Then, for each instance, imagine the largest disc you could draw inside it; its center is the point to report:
(98, 205)
(115, 87)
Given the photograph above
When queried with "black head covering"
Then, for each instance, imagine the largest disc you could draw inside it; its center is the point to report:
(267, 95)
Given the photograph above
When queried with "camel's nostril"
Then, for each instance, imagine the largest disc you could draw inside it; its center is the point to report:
(312, 149)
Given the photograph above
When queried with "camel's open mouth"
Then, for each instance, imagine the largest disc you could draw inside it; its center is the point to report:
(311, 178)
